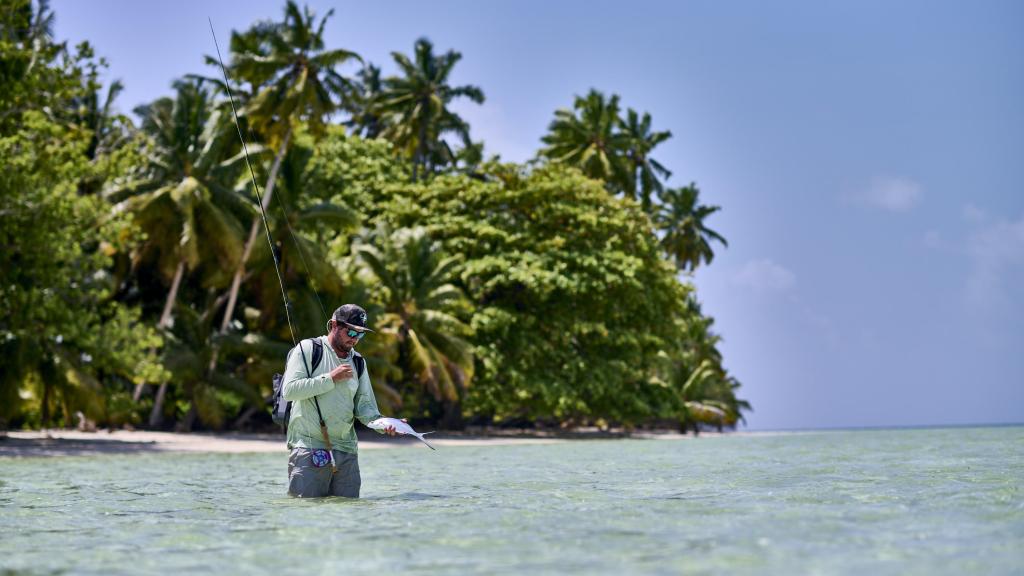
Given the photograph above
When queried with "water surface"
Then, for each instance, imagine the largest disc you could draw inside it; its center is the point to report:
(936, 501)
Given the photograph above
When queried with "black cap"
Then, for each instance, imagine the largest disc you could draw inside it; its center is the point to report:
(352, 316)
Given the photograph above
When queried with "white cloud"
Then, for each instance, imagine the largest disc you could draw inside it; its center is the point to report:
(973, 214)
(892, 194)
(995, 251)
(765, 276)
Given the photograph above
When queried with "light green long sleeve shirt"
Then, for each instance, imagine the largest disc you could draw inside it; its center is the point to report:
(340, 402)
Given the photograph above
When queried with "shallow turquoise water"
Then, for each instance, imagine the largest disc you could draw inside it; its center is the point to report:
(947, 501)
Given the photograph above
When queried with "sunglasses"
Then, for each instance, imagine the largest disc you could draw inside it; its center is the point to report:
(351, 333)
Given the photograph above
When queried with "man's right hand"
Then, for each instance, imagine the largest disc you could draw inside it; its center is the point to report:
(343, 372)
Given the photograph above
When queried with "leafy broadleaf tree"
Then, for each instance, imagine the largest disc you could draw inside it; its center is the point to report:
(60, 330)
(62, 335)
(415, 107)
(38, 74)
(355, 173)
(572, 300)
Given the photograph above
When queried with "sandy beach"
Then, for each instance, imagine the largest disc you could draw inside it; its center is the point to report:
(75, 443)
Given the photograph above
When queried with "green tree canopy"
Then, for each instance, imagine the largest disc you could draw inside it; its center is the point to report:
(499, 291)
(573, 302)
(66, 345)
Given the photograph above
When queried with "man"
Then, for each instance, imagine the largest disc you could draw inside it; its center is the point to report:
(341, 395)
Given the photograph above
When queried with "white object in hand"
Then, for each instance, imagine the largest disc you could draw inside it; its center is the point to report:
(400, 427)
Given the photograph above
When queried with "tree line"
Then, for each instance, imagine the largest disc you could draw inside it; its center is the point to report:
(139, 287)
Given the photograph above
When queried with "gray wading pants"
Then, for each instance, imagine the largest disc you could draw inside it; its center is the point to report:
(307, 481)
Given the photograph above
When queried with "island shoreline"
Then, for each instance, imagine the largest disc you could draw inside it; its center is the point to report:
(62, 442)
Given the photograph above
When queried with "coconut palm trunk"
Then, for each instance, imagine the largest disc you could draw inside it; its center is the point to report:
(156, 416)
(44, 417)
(451, 415)
(165, 321)
(421, 151)
(172, 296)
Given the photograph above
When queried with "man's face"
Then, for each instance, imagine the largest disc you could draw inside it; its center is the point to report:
(341, 336)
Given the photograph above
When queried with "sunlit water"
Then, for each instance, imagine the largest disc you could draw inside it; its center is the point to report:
(947, 501)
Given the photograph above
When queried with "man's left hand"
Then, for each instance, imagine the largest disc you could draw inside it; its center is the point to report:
(390, 430)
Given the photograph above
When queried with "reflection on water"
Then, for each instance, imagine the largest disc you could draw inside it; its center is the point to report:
(900, 502)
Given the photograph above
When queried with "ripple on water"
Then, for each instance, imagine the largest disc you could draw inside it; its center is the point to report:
(909, 501)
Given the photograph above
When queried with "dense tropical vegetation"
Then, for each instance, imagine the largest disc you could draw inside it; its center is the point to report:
(138, 286)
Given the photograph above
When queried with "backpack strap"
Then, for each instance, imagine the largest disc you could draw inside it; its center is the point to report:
(309, 372)
(360, 364)
(318, 353)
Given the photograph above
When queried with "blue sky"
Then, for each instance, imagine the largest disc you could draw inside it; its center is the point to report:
(868, 157)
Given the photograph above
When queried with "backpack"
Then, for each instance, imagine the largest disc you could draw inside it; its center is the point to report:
(281, 408)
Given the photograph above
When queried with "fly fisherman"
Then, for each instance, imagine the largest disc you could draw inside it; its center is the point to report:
(329, 394)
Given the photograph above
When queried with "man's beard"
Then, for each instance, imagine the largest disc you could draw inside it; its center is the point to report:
(339, 348)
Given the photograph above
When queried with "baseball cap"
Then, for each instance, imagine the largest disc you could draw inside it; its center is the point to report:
(353, 316)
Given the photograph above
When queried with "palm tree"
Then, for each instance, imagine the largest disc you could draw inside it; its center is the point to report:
(706, 393)
(415, 106)
(681, 220)
(309, 276)
(297, 83)
(305, 267)
(643, 171)
(96, 114)
(700, 404)
(699, 342)
(109, 131)
(588, 137)
(186, 204)
(26, 24)
(188, 350)
(363, 103)
(39, 32)
(421, 309)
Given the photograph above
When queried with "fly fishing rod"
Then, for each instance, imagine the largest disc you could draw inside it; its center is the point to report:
(270, 240)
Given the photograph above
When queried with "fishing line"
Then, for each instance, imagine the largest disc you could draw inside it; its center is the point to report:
(259, 197)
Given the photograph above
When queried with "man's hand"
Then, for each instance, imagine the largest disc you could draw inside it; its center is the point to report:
(390, 430)
(343, 372)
